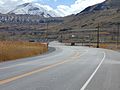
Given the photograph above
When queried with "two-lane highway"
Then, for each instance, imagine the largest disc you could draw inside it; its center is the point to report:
(67, 68)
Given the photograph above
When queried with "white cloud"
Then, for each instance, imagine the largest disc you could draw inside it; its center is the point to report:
(28, 0)
(65, 10)
(1, 2)
(62, 10)
(78, 6)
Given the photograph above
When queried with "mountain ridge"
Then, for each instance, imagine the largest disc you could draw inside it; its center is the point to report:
(108, 4)
(106, 13)
(34, 9)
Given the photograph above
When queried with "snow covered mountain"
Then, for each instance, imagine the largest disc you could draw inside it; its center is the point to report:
(2, 10)
(35, 9)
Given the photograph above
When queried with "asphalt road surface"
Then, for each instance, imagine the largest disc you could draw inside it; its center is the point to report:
(66, 68)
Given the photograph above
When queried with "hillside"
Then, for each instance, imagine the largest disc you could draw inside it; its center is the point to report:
(106, 13)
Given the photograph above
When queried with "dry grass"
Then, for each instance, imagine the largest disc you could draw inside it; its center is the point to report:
(109, 46)
(14, 50)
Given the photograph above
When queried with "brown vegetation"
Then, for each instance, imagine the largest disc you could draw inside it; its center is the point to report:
(112, 46)
(14, 50)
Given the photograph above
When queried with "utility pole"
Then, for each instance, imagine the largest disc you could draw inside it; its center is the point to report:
(83, 40)
(46, 33)
(98, 36)
(47, 25)
(118, 33)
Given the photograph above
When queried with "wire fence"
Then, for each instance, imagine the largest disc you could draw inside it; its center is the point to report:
(99, 37)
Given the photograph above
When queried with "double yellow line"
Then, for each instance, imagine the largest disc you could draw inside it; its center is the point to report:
(76, 55)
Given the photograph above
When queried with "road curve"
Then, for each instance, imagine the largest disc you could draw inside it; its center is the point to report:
(67, 68)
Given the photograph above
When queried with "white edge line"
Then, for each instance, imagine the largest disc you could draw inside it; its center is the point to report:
(90, 78)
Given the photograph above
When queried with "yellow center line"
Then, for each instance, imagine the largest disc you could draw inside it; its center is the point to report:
(25, 63)
(30, 73)
(36, 71)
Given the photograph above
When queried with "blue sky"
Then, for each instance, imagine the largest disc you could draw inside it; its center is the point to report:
(67, 7)
(62, 7)
(55, 3)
